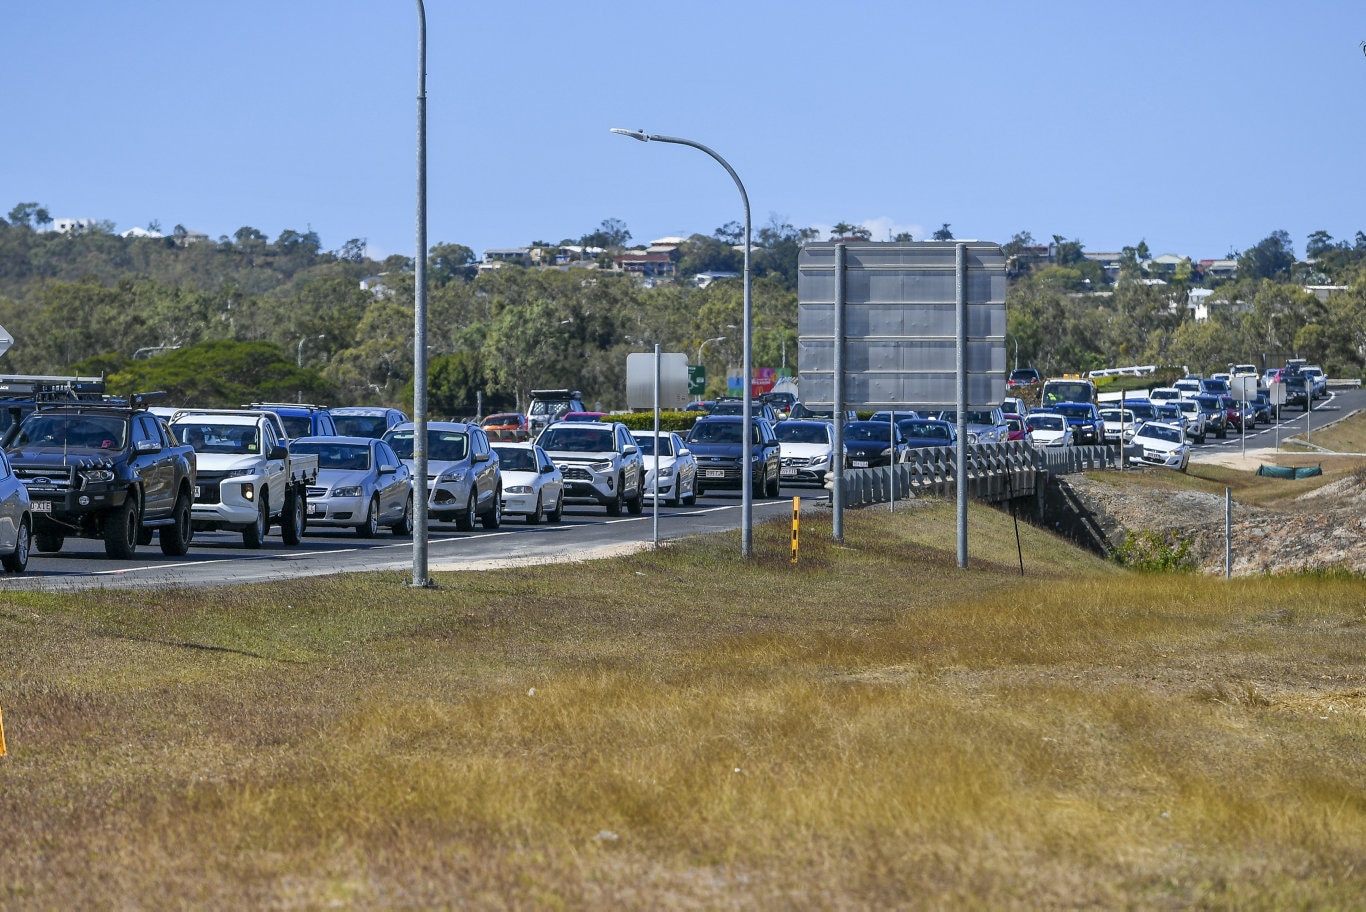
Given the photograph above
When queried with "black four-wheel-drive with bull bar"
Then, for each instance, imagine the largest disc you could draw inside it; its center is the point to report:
(110, 470)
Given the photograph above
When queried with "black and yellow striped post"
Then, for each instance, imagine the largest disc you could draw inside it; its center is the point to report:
(796, 525)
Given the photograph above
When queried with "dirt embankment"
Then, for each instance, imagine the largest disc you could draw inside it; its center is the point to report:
(1324, 528)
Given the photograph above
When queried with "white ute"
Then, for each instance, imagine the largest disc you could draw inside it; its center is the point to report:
(247, 476)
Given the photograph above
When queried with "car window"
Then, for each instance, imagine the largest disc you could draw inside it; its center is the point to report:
(359, 425)
(344, 456)
(214, 437)
(1045, 422)
(791, 432)
(577, 439)
(516, 459)
(718, 432)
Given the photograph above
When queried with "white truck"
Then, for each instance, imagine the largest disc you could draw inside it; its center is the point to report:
(247, 477)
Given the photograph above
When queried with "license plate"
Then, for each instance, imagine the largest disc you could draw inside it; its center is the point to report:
(789, 470)
(860, 463)
(716, 473)
(42, 506)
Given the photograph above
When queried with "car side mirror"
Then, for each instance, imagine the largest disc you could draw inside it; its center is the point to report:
(630, 450)
(547, 470)
(387, 469)
(147, 446)
(277, 452)
(684, 451)
(481, 457)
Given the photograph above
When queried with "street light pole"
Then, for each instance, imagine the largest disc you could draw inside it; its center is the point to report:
(747, 410)
(298, 355)
(420, 578)
(705, 343)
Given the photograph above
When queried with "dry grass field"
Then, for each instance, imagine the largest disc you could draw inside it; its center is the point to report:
(872, 728)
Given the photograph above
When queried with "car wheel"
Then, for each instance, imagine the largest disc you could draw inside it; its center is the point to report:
(121, 530)
(697, 491)
(537, 514)
(1222, 433)
(255, 534)
(614, 505)
(677, 499)
(557, 512)
(774, 488)
(370, 527)
(691, 498)
(404, 526)
(17, 560)
(145, 536)
(494, 517)
(48, 542)
(175, 538)
(636, 505)
(464, 520)
(292, 517)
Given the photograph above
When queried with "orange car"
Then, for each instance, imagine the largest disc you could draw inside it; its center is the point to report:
(507, 426)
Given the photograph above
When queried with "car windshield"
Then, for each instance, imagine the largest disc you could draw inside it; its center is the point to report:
(359, 425)
(721, 432)
(1073, 411)
(730, 408)
(1143, 410)
(91, 431)
(924, 430)
(1014, 422)
(1045, 422)
(795, 432)
(504, 420)
(297, 425)
(343, 456)
(209, 437)
(443, 444)
(577, 439)
(1165, 432)
(646, 444)
(877, 431)
(1117, 416)
(515, 459)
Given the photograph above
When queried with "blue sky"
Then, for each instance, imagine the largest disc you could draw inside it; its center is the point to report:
(1198, 127)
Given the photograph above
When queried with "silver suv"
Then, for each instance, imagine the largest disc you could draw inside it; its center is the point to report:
(600, 461)
(464, 479)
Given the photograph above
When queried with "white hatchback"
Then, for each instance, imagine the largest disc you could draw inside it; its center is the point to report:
(533, 486)
(677, 481)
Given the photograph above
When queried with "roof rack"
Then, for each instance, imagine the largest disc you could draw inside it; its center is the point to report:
(43, 386)
(271, 406)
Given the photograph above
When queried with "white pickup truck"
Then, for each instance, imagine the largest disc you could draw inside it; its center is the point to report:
(247, 477)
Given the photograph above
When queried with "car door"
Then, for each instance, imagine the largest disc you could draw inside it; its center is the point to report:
(155, 465)
(551, 479)
(12, 504)
(487, 473)
(634, 462)
(393, 487)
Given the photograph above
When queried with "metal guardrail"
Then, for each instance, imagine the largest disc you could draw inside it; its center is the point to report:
(996, 472)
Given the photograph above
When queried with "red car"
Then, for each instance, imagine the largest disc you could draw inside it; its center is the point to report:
(511, 426)
(1018, 431)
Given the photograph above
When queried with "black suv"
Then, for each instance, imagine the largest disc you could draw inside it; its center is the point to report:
(112, 471)
(717, 445)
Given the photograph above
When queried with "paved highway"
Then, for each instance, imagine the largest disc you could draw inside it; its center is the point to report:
(218, 558)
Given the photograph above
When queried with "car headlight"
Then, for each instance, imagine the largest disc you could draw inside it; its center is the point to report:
(666, 472)
(887, 451)
(452, 475)
(234, 473)
(346, 491)
(972, 438)
(519, 489)
(600, 467)
(97, 476)
(819, 460)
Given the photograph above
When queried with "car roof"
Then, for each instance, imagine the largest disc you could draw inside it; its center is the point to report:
(434, 425)
(325, 439)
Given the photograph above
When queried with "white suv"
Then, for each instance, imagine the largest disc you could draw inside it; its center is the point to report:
(600, 461)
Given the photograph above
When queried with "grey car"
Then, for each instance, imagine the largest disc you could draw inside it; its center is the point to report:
(361, 485)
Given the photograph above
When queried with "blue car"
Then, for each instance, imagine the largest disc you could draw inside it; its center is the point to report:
(1085, 421)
